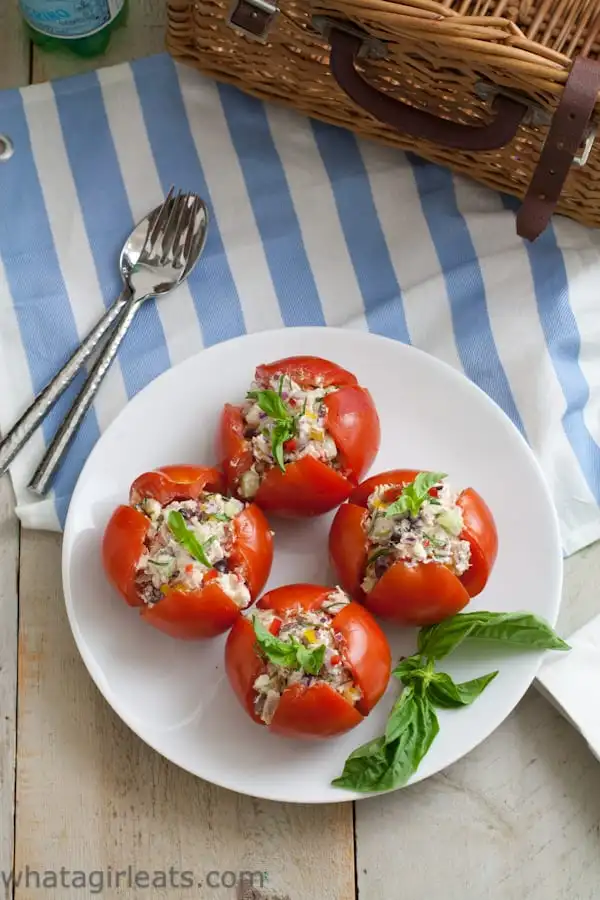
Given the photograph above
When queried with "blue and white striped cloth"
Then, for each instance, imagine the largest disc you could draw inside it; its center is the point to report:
(309, 226)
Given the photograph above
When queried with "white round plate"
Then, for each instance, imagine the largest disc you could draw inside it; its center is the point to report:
(175, 694)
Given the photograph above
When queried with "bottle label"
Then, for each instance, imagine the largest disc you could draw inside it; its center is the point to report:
(70, 18)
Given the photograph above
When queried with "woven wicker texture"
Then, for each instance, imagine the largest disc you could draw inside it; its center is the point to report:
(435, 56)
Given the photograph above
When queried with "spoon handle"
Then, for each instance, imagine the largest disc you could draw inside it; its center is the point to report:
(22, 430)
(52, 459)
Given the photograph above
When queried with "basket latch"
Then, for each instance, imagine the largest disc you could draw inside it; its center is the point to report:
(6, 148)
(253, 18)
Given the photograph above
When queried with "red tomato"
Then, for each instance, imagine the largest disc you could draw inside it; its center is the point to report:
(185, 613)
(309, 486)
(411, 595)
(316, 710)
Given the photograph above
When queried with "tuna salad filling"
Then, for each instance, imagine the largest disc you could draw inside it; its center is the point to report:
(185, 541)
(421, 526)
(301, 648)
(284, 422)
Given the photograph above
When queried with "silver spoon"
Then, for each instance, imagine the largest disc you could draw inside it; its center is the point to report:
(45, 400)
(170, 252)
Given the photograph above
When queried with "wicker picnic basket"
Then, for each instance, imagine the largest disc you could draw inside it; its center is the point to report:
(502, 90)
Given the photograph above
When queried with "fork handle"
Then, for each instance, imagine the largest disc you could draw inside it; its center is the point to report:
(45, 400)
(52, 459)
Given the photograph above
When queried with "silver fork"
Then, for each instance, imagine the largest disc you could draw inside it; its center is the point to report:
(174, 244)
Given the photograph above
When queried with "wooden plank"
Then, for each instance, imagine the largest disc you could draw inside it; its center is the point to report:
(9, 565)
(14, 72)
(92, 795)
(14, 47)
(143, 35)
(518, 817)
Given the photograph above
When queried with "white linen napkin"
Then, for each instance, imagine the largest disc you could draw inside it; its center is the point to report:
(310, 226)
(568, 682)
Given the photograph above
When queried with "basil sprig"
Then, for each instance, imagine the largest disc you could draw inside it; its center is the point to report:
(292, 654)
(414, 494)
(184, 536)
(284, 428)
(389, 761)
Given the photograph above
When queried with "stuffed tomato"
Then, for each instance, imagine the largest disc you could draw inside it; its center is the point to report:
(310, 663)
(188, 555)
(410, 548)
(304, 437)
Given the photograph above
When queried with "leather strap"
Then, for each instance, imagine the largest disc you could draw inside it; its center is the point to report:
(565, 136)
(508, 113)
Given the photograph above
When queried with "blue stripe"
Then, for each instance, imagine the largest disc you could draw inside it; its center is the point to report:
(364, 236)
(107, 217)
(563, 340)
(273, 208)
(43, 311)
(464, 283)
(211, 283)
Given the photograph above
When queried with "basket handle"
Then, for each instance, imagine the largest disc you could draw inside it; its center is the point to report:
(416, 122)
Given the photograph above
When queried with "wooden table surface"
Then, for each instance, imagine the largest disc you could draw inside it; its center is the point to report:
(518, 818)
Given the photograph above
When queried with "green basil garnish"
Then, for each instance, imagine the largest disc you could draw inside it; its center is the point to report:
(390, 760)
(292, 654)
(184, 536)
(414, 494)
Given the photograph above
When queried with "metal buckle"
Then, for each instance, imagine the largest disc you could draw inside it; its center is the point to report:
(253, 18)
(535, 114)
(6, 148)
(583, 156)
(371, 47)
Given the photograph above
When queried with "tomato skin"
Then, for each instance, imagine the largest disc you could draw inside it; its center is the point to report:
(307, 371)
(367, 653)
(252, 551)
(185, 614)
(417, 595)
(395, 477)
(353, 423)
(348, 548)
(171, 483)
(317, 710)
(191, 615)
(121, 549)
(480, 531)
(233, 449)
(309, 486)
(412, 595)
(243, 664)
(312, 712)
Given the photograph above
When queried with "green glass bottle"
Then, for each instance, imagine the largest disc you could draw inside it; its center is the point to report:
(81, 26)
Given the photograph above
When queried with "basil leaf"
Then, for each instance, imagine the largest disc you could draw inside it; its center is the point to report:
(399, 506)
(415, 494)
(184, 536)
(521, 629)
(311, 658)
(516, 629)
(281, 433)
(427, 729)
(409, 667)
(365, 767)
(402, 713)
(270, 403)
(382, 765)
(281, 653)
(425, 481)
(445, 693)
